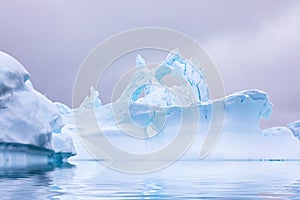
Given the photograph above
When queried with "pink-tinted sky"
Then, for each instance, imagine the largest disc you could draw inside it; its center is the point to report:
(255, 44)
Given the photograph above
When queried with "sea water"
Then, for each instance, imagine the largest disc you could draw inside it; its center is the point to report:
(89, 179)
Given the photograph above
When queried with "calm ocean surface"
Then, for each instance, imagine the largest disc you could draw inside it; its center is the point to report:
(183, 180)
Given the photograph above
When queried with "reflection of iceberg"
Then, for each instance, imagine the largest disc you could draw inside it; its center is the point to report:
(30, 123)
(150, 103)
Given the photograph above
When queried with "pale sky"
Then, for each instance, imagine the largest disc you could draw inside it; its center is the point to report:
(254, 44)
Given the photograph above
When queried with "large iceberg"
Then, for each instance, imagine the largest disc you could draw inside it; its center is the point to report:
(30, 123)
(34, 129)
(154, 108)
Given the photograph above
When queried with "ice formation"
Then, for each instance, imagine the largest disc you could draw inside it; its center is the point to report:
(148, 87)
(295, 128)
(28, 120)
(153, 104)
(34, 127)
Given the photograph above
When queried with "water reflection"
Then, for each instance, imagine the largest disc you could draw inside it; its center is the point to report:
(31, 170)
(183, 180)
(32, 182)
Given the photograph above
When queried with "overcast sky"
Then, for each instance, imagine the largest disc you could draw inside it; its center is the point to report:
(255, 44)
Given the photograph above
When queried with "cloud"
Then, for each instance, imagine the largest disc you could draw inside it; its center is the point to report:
(276, 37)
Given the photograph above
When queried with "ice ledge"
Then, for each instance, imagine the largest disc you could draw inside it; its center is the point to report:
(15, 155)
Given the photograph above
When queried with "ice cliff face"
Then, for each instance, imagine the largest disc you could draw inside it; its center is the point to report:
(26, 116)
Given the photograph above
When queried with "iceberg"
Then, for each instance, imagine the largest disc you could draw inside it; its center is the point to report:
(146, 118)
(153, 108)
(30, 123)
